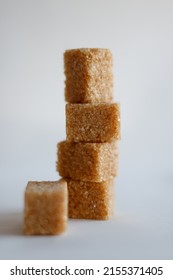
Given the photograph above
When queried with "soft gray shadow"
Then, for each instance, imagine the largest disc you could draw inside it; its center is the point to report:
(11, 223)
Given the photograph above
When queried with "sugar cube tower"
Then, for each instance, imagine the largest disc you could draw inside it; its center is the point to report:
(88, 159)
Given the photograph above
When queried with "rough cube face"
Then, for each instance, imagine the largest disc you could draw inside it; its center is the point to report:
(89, 75)
(92, 122)
(46, 208)
(93, 162)
(91, 200)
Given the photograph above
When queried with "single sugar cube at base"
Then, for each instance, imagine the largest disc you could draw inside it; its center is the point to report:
(93, 122)
(46, 207)
(89, 75)
(91, 200)
(95, 162)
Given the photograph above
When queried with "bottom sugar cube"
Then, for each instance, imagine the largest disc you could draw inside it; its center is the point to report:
(91, 200)
(46, 207)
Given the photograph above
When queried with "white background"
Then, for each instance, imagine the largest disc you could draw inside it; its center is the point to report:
(33, 36)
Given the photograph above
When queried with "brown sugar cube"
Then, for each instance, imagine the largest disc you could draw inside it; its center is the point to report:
(46, 208)
(93, 162)
(91, 200)
(92, 122)
(89, 75)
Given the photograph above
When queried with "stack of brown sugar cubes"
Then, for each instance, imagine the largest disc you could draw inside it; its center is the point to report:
(88, 159)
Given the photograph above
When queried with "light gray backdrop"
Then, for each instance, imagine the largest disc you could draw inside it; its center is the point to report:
(33, 37)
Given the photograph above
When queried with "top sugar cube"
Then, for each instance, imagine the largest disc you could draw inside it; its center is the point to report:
(89, 75)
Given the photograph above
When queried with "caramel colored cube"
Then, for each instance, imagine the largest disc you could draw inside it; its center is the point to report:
(92, 122)
(93, 162)
(89, 75)
(46, 208)
(91, 200)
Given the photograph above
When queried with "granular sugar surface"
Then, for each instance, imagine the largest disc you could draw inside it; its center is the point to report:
(89, 75)
(93, 162)
(44, 186)
(93, 122)
(46, 209)
(91, 200)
